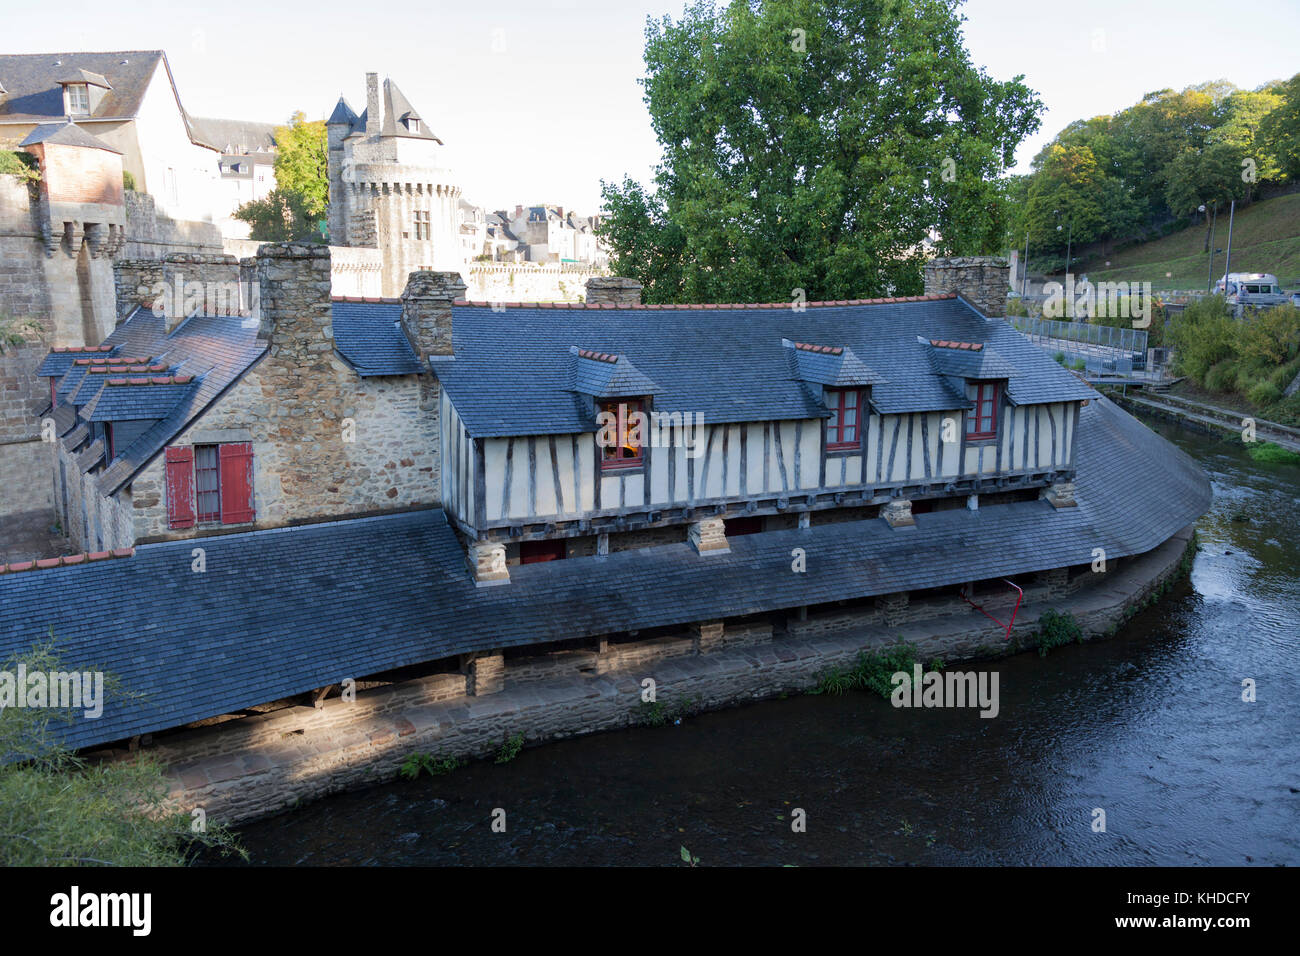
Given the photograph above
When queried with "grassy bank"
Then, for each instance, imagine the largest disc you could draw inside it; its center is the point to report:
(1265, 238)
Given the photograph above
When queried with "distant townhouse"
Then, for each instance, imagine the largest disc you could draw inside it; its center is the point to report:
(127, 99)
(246, 167)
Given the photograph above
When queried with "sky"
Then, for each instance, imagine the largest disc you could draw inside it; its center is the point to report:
(538, 100)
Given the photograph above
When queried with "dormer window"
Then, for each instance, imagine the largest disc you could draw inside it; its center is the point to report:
(77, 99)
(622, 434)
(413, 125)
(982, 420)
(843, 428)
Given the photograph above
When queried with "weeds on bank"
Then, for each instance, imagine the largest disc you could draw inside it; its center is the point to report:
(1269, 453)
(510, 748)
(1056, 630)
(418, 763)
(873, 671)
(655, 714)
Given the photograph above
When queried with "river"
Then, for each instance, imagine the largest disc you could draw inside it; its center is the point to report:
(1149, 727)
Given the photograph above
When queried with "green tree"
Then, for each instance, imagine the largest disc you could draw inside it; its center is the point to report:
(283, 216)
(58, 809)
(1279, 131)
(301, 161)
(1068, 190)
(297, 205)
(815, 145)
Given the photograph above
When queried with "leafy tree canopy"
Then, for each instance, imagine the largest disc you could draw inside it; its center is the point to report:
(1160, 159)
(294, 209)
(815, 145)
(283, 216)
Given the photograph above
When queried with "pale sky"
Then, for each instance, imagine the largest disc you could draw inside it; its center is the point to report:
(537, 100)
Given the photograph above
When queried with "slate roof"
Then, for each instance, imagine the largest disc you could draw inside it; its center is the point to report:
(236, 136)
(953, 360)
(830, 365)
(216, 350)
(65, 419)
(92, 456)
(66, 134)
(60, 360)
(135, 399)
(75, 438)
(70, 381)
(511, 375)
(84, 76)
(35, 94)
(602, 375)
(250, 629)
(138, 333)
(369, 336)
(342, 115)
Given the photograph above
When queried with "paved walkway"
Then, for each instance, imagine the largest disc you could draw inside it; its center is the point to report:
(1214, 417)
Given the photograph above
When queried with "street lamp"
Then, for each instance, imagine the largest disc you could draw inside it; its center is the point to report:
(1069, 245)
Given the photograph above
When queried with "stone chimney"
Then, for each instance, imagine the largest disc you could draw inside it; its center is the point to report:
(137, 282)
(426, 311)
(615, 290)
(296, 319)
(983, 281)
(374, 122)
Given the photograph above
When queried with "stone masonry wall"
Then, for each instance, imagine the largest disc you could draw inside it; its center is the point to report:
(179, 283)
(299, 406)
(501, 282)
(151, 236)
(983, 280)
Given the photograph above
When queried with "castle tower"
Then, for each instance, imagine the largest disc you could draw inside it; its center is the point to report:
(390, 187)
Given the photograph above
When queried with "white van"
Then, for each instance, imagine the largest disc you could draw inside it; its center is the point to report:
(1258, 289)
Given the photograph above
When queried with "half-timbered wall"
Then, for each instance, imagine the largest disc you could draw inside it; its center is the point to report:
(548, 477)
(458, 463)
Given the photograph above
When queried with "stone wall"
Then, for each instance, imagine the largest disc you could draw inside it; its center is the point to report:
(326, 443)
(68, 293)
(984, 281)
(527, 282)
(354, 270)
(260, 765)
(150, 235)
(178, 284)
(25, 477)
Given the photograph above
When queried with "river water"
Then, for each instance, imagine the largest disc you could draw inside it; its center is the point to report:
(1149, 727)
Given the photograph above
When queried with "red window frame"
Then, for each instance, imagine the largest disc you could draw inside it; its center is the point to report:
(982, 420)
(841, 434)
(623, 454)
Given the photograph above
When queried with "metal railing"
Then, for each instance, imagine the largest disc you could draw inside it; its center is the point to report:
(1101, 348)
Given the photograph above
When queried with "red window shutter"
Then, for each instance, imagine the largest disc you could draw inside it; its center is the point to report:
(236, 483)
(180, 486)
